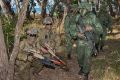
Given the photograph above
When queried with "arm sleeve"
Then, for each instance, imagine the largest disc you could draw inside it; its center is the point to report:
(73, 31)
(66, 24)
(98, 26)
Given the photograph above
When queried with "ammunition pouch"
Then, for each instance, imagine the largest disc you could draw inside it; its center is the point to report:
(25, 57)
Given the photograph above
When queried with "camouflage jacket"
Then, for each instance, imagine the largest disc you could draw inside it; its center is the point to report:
(70, 26)
(91, 19)
(49, 37)
(25, 48)
(105, 19)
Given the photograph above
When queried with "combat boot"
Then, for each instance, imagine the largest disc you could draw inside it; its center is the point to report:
(94, 54)
(69, 56)
(85, 76)
(101, 48)
(97, 47)
(80, 72)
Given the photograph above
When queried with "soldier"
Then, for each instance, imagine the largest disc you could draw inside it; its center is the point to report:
(69, 21)
(90, 18)
(68, 37)
(106, 22)
(72, 32)
(46, 34)
(25, 58)
(49, 36)
(85, 42)
(82, 31)
(31, 58)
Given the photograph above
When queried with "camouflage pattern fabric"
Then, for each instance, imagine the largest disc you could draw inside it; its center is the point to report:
(91, 19)
(25, 58)
(106, 22)
(52, 39)
(69, 25)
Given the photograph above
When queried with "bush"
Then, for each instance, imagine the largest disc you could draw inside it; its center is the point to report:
(8, 29)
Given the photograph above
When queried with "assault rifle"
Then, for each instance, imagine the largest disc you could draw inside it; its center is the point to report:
(50, 63)
(50, 50)
(44, 60)
(81, 26)
(82, 29)
(59, 62)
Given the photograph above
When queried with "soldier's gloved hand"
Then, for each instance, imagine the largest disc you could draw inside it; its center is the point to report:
(81, 35)
(47, 63)
(30, 58)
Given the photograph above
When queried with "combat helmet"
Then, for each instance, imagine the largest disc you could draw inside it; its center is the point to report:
(32, 32)
(48, 21)
(85, 5)
(103, 7)
(74, 6)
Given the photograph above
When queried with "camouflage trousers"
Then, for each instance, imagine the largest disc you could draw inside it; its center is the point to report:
(26, 70)
(103, 37)
(84, 52)
(22, 70)
(68, 45)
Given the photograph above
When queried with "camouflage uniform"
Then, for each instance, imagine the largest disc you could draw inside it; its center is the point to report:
(68, 38)
(105, 20)
(91, 19)
(84, 45)
(50, 37)
(25, 58)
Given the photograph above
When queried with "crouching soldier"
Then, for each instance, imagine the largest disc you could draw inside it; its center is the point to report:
(30, 60)
(25, 57)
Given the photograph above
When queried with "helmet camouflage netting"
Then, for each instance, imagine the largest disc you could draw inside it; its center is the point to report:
(85, 5)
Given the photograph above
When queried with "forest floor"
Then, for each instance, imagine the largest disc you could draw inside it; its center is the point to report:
(106, 66)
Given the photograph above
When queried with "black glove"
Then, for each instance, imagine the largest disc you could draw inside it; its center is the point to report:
(47, 63)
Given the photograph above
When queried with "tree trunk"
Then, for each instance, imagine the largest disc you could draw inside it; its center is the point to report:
(53, 9)
(117, 7)
(3, 56)
(13, 56)
(44, 3)
(111, 9)
(17, 6)
(97, 5)
(6, 7)
(61, 29)
(3, 8)
(109, 2)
